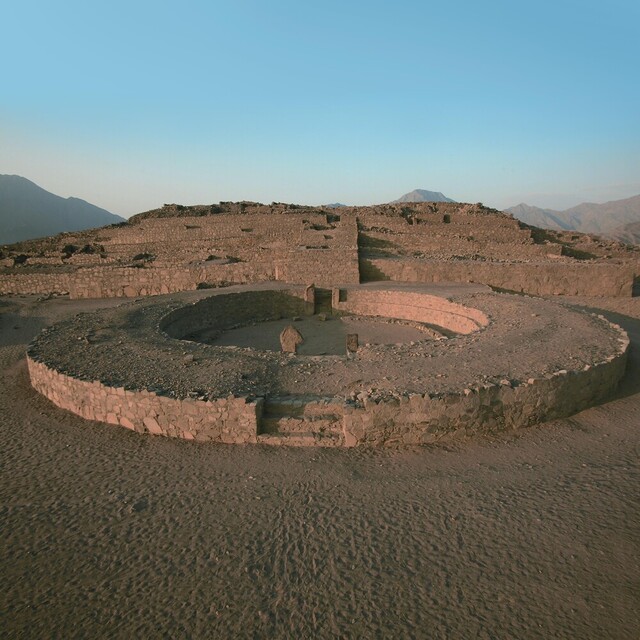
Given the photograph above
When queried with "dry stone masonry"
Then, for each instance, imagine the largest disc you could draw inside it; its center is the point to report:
(486, 361)
(180, 248)
(146, 366)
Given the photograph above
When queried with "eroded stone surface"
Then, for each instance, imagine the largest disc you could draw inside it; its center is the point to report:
(528, 360)
(290, 338)
(171, 250)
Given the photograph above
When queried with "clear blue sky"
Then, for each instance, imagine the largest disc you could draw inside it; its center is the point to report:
(132, 104)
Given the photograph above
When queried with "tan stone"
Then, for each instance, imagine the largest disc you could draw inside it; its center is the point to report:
(402, 420)
(125, 422)
(152, 425)
(290, 338)
(310, 293)
(352, 342)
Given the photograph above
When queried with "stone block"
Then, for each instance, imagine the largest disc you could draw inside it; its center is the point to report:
(290, 338)
(125, 422)
(152, 425)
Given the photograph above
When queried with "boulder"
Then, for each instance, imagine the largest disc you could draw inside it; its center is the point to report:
(290, 338)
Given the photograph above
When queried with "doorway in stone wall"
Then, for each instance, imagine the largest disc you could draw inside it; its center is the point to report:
(323, 301)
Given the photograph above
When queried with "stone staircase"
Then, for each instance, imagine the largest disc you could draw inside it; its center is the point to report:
(301, 421)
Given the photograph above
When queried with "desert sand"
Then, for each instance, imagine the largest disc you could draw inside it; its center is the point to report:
(109, 533)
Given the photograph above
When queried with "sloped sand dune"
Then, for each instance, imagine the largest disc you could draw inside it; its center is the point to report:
(107, 533)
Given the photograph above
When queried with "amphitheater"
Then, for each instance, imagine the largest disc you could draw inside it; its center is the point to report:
(451, 304)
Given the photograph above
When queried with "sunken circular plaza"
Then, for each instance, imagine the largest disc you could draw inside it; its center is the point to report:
(432, 362)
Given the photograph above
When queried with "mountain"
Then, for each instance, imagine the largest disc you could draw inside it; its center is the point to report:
(603, 218)
(422, 195)
(619, 219)
(629, 233)
(537, 217)
(28, 211)
(335, 205)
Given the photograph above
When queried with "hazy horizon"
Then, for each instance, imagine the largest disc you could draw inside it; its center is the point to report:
(130, 106)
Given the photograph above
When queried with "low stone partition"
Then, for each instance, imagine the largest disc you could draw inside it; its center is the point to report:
(541, 279)
(409, 305)
(516, 361)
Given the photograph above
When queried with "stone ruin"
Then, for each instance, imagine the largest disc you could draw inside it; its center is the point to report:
(187, 248)
(440, 388)
(201, 273)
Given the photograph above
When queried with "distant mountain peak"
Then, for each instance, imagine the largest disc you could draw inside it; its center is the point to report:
(614, 219)
(423, 195)
(28, 211)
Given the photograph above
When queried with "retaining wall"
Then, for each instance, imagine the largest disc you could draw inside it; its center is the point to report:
(225, 312)
(303, 266)
(231, 420)
(532, 278)
(416, 419)
(290, 248)
(406, 305)
(129, 282)
(423, 419)
(35, 283)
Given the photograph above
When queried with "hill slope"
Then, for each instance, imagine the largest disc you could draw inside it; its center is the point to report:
(28, 211)
(616, 219)
(537, 217)
(422, 195)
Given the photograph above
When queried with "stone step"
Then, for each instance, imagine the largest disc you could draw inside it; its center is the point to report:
(289, 424)
(301, 406)
(301, 421)
(301, 439)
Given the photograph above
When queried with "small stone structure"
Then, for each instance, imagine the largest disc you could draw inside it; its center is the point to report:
(413, 250)
(290, 338)
(352, 342)
(445, 388)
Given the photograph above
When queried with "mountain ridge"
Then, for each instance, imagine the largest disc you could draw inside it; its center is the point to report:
(28, 211)
(617, 219)
(423, 195)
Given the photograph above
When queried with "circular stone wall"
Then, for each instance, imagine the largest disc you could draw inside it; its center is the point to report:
(503, 362)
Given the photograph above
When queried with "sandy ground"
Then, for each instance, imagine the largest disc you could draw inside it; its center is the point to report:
(110, 534)
(320, 338)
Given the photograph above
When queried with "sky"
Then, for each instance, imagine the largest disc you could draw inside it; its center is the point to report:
(129, 105)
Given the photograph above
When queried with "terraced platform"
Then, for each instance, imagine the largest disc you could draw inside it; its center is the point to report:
(498, 362)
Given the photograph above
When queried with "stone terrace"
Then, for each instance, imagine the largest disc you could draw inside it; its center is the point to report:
(179, 248)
